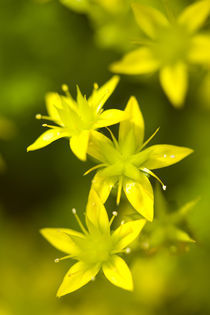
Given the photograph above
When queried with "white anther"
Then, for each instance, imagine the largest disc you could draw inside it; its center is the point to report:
(74, 211)
(128, 250)
(122, 222)
(172, 156)
(56, 260)
(165, 155)
(164, 187)
(115, 213)
(93, 278)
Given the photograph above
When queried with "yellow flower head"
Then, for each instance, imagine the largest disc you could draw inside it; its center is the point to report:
(77, 119)
(170, 46)
(95, 248)
(126, 163)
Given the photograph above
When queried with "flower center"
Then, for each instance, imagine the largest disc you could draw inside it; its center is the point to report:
(172, 44)
(96, 248)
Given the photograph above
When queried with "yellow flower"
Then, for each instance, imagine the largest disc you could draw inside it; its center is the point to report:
(77, 119)
(126, 163)
(169, 48)
(95, 248)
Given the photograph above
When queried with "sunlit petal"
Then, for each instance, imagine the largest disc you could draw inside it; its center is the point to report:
(48, 137)
(103, 185)
(61, 239)
(118, 273)
(135, 121)
(163, 155)
(110, 117)
(127, 233)
(100, 95)
(140, 195)
(79, 144)
(77, 276)
(96, 215)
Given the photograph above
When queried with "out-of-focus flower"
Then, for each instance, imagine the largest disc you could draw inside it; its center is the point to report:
(124, 162)
(95, 248)
(169, 46)
(78, 119)
(169, 228)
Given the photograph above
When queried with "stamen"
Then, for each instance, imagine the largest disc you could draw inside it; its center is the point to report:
(119, 191)
(94, 168)
(114, 214)
(65, 89)
(39, 116)
(93, 278)
(74, 211)
(49, 126)
(57, 260)
(113, 138)
(150, 138)
(122, 222)
(146, 170)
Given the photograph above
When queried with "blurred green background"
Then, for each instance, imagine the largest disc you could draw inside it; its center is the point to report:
(43, 45)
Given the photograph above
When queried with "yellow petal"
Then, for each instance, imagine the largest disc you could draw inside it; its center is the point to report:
(110, 117)
(103, 185)
(140, 195)
(77, 276)
(162, 155)
(96, 215)
(126, 234)
(200, 48)
(149, 19)
(96, 144)
(61, 239)
(53, 100)
(101, 148)
(139, 61)
(48, 137)
(100, 95)
(79, 144)
(118, 273)
(194, 16)
(135, 121)
(174, 82)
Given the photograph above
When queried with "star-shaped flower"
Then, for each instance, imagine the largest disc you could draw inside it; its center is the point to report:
(97, 247)
(124, 162)
(169, 228)
(77, 119)
(169, 47)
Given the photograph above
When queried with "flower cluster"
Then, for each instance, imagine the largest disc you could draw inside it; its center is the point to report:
(125, 163)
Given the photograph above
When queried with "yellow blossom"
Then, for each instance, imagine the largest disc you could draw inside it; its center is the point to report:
(170, 46)
(128, 164)
(78, 119)
(97, 247)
